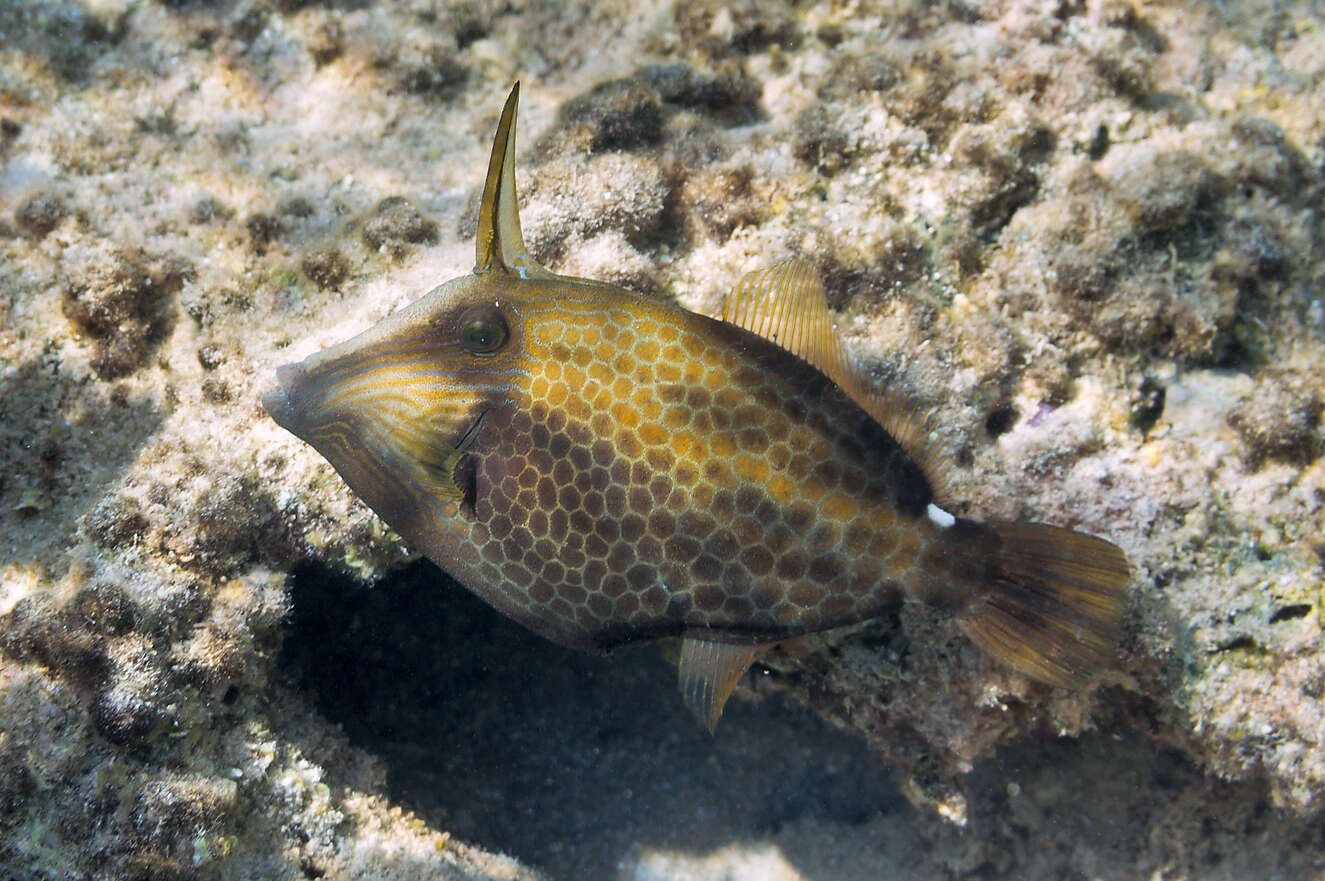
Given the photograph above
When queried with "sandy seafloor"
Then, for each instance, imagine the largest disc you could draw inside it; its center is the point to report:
(1088, 233)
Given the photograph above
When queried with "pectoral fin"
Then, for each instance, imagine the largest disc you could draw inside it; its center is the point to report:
(442, 463)
(709, 672)
(437, 477)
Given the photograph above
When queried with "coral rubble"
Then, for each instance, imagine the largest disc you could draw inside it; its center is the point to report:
(1088, 233)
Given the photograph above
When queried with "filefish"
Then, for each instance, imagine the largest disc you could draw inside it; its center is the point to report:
(609, 469)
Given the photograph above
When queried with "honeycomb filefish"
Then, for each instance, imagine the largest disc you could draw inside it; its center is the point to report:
(607, 469)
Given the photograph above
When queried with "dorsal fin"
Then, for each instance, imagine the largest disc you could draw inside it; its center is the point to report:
(787, 305)
(500, 244)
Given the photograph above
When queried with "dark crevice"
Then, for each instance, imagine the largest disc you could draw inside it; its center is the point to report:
(1291, 613)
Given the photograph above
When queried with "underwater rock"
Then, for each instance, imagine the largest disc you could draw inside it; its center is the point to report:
(1087, 233)
(40, 213)
(122, 302)
(327, 267)
(395, 225)
(1280, 419)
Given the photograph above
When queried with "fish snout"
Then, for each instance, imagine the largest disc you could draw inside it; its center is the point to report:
(283, 404)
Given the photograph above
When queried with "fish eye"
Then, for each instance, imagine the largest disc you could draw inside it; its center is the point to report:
(482, 330)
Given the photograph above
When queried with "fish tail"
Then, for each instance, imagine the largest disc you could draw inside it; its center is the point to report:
(1047, 600)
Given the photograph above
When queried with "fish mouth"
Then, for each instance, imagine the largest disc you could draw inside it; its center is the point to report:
(280, 404)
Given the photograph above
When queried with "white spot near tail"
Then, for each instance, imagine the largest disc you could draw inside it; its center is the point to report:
(942, 519)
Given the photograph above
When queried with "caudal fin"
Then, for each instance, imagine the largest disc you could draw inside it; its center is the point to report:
(1050, 600)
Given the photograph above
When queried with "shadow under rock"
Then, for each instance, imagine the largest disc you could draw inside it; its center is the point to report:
(1114, 806)
(568, 761)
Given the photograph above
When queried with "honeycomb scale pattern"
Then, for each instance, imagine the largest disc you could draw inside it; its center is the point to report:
(657, 471)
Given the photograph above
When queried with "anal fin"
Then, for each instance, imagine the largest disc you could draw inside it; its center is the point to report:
(709, 672)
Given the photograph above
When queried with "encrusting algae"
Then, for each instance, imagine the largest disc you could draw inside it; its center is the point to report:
(608, 469)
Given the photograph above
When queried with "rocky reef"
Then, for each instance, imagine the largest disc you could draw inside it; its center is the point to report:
(1087, 233)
